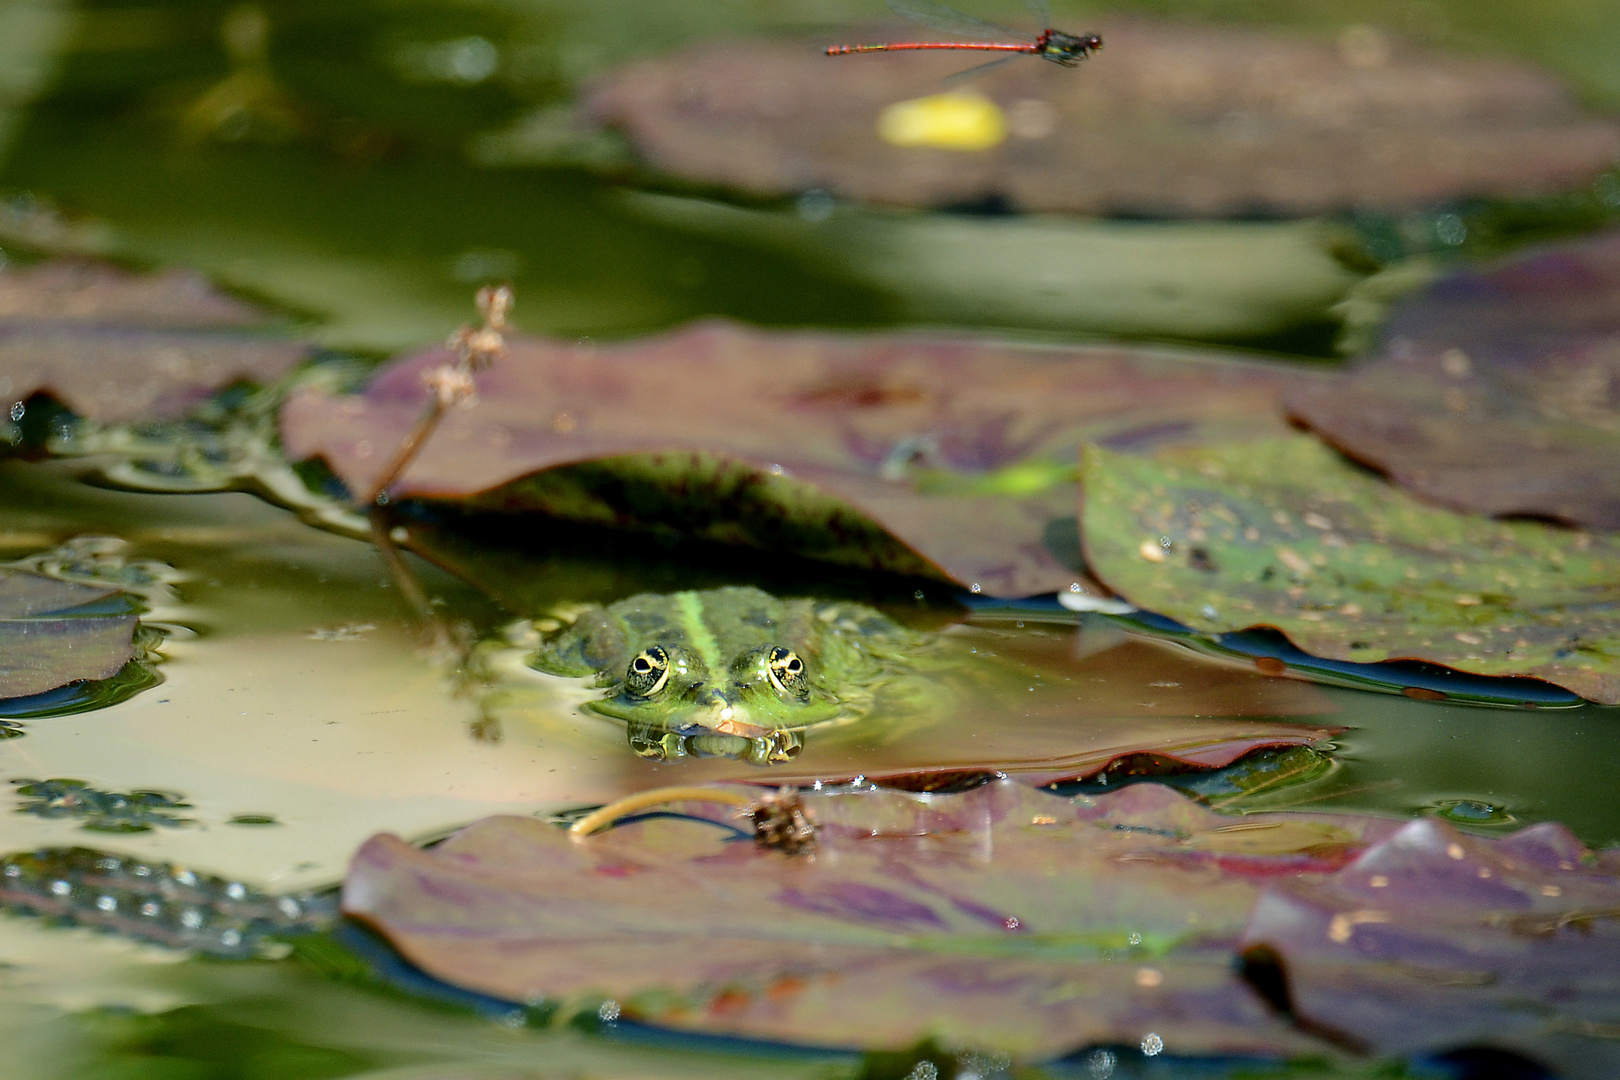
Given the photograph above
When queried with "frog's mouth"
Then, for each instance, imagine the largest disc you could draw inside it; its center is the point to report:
(724, 715)
(716, 711)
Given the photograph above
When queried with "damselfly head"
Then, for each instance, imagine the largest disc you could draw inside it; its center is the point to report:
(1068, 49)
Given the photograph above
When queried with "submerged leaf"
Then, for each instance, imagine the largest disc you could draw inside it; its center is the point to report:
(117, 346)
(1434, 937)
(1177, 119)
(1496, 390)
(1287, 534)
(946, 458)
(45, 644)
(1002, 917)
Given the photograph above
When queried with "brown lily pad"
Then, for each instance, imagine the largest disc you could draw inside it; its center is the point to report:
(987, 699)
(1287, 534)
(44, 644)
(1167, 119)
(1001, 918)
(116, 346)
(1495, 390)
(1435, 937)
(949, 458)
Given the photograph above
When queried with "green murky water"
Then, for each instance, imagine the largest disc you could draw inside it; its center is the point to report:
(298, 713)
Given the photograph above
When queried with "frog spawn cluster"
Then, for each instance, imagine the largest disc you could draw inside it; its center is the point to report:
(158, 902)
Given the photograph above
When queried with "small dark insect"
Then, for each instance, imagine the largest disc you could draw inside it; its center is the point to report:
(782, 821)
(1054, 45)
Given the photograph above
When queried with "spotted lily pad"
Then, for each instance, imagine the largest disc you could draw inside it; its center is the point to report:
(1496, 390)
(1434, 936)
(1285, 533)
(950, 458)
(1167, 119)
(45, 643)
(118, 346)
(1003, 918)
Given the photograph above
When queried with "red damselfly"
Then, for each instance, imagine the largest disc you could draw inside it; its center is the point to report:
(1049, 44)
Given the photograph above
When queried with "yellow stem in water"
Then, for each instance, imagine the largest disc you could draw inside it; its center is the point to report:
(631, 804)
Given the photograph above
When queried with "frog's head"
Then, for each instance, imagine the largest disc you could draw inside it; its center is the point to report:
(769, 688)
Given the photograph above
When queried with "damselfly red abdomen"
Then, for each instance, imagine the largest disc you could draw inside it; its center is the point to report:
(1049, 44)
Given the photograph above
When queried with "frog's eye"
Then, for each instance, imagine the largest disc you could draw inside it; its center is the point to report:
(786, 672)
(648, 672)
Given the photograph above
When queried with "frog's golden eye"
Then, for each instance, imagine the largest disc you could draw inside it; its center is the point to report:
(786, 672)
(648, 672)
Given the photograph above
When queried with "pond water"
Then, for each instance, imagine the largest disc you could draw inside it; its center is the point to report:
(301, 708)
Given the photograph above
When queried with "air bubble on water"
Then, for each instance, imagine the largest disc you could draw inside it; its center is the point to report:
(608, 1011)
(185, 877)
(1450, 230)
(13, 870)
(815, 206)
(61, 888)
(1472, 812)
(151, 909)
(923, 1070)
(236, 890)
(1135, 938)
(191, 919)
(1101, 1064)
(288, 907)
(231, 938)
(17, 411)
(107, 903)
(1152, 1045)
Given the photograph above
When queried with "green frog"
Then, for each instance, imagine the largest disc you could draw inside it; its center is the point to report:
(732, 672)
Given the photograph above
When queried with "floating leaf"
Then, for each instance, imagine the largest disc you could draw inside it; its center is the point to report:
(117, 346)
(948, 458)
(1285, 533)
(988, 700)
(1002, 917)
(1496, 390)
(1189, 119)
(1435, 937)
(45, 644)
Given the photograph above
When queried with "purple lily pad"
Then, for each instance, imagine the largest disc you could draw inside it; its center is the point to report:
(44, 645)
(1495, 390)
(1002, 918)
(950, 458)
(115, 346)
(1435, 937)
(1167, 119)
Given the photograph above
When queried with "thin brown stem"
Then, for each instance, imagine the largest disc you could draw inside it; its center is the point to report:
(406, 452)
(410, 587)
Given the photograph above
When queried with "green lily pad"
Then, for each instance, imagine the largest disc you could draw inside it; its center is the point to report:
(45, 644)
(1285, 533)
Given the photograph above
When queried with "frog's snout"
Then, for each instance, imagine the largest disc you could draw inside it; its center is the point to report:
(722, 712)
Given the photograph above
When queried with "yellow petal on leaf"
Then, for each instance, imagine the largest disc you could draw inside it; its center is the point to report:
(953, 121)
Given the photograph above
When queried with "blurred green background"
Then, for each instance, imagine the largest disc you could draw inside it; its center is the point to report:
(349, 161)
